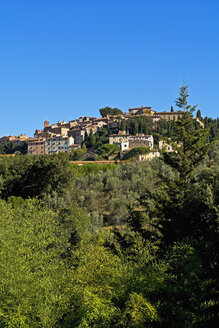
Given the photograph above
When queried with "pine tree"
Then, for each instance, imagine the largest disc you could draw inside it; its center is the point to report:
(123, 126)
(198, 114)
(181, 101)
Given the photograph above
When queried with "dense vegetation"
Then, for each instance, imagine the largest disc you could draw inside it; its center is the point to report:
(12, 148)
(131, 245)
(137, 124)
(110, 111)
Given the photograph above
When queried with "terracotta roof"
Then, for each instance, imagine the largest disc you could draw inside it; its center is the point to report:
(170, 113)
(119, 135)
(95, 162)
(142, 107)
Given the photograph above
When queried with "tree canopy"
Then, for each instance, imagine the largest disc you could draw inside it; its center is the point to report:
(110, 111)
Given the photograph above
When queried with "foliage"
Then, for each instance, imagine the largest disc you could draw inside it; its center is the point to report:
(93, 141)
(189, 144)
(77, 154)
(182, 102)
(110, 111)
(90, 140)
(91, 168)
(110, 192)
(187, 213)
(12, 148)
(213, 127)
(139, 312)
(30, 176)
(33, 273)
(104, 285)
(138, 124)
(107, 150)
(102, 137)
(134, 152)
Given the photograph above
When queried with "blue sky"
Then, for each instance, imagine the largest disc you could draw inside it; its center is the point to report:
(63, 59)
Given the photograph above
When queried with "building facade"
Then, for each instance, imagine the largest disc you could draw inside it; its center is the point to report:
(36, 146)
(141, 140)
(58, 144)
(78, 135)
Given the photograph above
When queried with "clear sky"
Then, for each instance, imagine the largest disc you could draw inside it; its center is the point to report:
(61, 59)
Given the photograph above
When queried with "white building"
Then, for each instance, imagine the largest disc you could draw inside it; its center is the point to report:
(58, 144)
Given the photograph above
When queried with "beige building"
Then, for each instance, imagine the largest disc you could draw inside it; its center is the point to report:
(148, 157)
(141, 110)
(164, 145)
(170, 116)
(121, 136)
(61, 128)
(16, 139)
(121, 139)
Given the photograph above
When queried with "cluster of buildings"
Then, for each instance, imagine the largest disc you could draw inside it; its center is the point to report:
(17, 140)
(127, 142)
(65, 136)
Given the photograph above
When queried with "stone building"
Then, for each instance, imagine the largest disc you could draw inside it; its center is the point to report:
(77, 134)
(16, 139)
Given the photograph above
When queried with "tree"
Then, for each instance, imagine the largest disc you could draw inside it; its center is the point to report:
(33, 269)
(31, 176)
(134, 152)
(90, 140)
(114, 289)
(181, 101)
(187, 214)
(12, 148)
(110, 111)
(107, 150)
(198, 114)
(122, 126)
(135, 129)
(171, 109)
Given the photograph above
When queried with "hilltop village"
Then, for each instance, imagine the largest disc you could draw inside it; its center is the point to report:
(72, 135)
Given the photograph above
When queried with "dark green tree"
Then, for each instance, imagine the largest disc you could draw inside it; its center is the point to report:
(107, 150)
(198, 114)
(134, 152)
(90, 140)
(187, 213)
(110, 111)
(123, 125)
